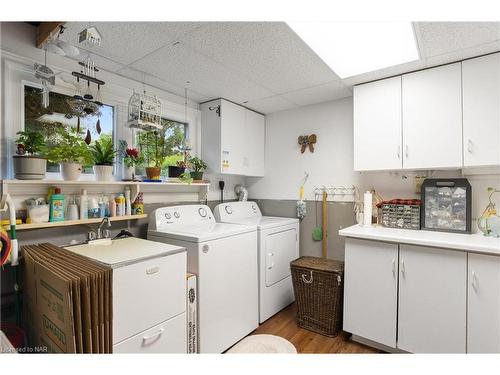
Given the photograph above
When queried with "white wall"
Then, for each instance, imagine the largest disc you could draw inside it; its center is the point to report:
(332, 161)
(18, 54)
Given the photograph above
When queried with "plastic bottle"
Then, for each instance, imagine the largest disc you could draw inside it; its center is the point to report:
(139, 204)
(84, 205)
(128, 204)
(102, 207)
(122, 204)
(57, 206)
(112, 206)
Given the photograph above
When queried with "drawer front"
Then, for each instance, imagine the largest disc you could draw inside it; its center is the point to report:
(167, 337)
(147, 293)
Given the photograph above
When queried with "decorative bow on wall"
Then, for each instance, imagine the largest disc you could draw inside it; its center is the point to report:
(307, 141)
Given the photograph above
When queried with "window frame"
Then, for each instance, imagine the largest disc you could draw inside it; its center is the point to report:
(64, 91)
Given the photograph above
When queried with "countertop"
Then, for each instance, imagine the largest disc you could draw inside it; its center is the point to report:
(476, 243)
(125, 251)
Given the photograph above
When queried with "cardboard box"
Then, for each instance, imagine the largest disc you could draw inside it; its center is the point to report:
(192, 314)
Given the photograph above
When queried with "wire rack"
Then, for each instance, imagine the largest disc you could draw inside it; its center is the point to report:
(337, 193)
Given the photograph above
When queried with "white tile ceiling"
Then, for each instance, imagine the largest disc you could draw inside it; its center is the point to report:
(263, 65)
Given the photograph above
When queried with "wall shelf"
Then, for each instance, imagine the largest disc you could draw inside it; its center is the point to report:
(66, 223)
(39, 187)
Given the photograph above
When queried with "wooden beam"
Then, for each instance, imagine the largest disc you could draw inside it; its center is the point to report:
(45, 32)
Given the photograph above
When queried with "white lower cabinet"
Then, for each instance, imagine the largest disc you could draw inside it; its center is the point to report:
(370, 296)
(483, 318)
(432, 300)
(167, 337)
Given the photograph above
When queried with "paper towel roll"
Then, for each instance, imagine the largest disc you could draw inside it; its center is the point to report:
(367, 211)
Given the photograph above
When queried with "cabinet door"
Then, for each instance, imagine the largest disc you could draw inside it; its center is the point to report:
(432, 118)
(483, 318)
(432, 300)
(234, 146)
(377, 125)
(481, 107)
(370, 290)
(254, 135)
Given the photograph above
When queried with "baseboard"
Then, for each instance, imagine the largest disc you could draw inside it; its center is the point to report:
(377, 345)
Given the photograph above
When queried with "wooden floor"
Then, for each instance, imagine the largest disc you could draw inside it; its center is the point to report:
(283, 324)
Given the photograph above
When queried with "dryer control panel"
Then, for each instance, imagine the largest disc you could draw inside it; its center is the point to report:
(165, 217)
(236, 210)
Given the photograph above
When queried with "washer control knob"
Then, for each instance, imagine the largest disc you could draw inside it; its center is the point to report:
(168, 216)
(254, 208)
(202, 212)
(177, 215)
(228, 209)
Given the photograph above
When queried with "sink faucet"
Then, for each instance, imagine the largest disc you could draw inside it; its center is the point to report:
(99, 233)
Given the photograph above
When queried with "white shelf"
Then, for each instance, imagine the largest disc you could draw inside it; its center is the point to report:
(66, 223)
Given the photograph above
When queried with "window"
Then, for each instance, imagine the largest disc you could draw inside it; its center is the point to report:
(63, 111)
(173, 134)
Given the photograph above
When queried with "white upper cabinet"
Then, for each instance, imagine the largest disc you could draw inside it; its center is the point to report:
(377, 125)
(233, 138)
(432, 118)
(481, 110)
(483, 318)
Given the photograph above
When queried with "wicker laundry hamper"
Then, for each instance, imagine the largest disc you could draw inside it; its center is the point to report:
(318, 284)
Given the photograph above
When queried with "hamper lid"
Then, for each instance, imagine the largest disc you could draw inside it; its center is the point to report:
(319, 264)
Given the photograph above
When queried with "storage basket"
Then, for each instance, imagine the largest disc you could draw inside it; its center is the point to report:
(318, 285)
(403, 216)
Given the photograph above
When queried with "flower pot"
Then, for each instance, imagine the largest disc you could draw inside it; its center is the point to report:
(71, 171)
(128, 173)
(174, 171)
(197, 175)
(153, 173)
(103, 172)
(29, 167)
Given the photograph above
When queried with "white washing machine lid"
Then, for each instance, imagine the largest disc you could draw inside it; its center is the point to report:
(202, 232)
(265, 222)
(125, 251)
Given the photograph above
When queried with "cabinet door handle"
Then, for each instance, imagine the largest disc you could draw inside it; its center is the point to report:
(474, 280)
(403, 267)
(394, 266)
(406, 151)
(147, 338)
(270, 261)
(469, 146)
(399, 151)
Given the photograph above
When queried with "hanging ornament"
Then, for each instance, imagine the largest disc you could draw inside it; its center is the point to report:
(98, 99)
(88, 138)
(78, 125)
(88, 95)
(78, 91)
(98, 126)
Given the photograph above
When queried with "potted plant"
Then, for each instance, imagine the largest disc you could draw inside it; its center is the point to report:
(103, 153)
(153, 148)
(30, 163)
(175, 171)
(71, 152)
(198, 166)
(131, 159)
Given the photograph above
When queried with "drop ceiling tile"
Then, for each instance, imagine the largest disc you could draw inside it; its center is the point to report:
(178, 64)
(318, 94)
(437, 38)
(125, 42)
(280, 61)
(270, 105)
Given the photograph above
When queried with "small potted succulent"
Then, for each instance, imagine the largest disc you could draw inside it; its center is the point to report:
(103, 153)
(30, 163)
(198, 166)
(71, 152)
(131, 159)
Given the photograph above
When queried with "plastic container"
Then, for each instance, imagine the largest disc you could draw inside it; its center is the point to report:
(39, 213)
(84, 205)
(57, 206)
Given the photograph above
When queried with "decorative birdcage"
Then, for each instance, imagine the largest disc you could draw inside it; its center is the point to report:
(144, 111)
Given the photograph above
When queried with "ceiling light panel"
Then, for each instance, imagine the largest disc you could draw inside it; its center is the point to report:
(352, 48)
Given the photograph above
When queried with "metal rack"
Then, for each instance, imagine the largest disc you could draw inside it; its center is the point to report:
(338, 193)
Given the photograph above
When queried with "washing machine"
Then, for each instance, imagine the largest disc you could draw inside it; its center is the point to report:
(224, 258)
(278, 245)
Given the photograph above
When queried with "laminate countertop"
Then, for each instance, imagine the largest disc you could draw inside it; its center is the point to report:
(475, 243)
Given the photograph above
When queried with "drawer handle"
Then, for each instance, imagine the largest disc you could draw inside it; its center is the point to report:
(152, 270)
(474, 280)
(156, 335)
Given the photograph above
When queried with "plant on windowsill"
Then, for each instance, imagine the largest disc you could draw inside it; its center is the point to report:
(132, 158)
(153, 148)
(71, 152)
(197, 166)
(30, 162)
(103, 153)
